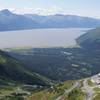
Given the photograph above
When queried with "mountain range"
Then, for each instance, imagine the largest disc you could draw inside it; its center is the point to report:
(12, 21)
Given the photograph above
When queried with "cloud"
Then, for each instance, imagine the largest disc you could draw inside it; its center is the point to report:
(41, 11)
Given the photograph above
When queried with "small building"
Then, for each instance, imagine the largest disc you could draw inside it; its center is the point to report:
(96, 79)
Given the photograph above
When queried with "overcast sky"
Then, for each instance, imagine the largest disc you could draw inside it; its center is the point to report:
(75, 7)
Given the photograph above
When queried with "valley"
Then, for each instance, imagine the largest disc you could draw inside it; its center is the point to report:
(56, 73)
(59, 64)
(49, 50)
(16, 82)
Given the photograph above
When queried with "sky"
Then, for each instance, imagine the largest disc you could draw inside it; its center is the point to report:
(90, 8)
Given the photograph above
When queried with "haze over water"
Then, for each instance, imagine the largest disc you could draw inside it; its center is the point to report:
(40, 37)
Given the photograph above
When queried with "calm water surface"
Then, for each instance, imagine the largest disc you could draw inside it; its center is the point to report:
(40, 37)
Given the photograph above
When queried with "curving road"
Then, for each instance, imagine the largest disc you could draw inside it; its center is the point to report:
(77, 84)
(88, 90)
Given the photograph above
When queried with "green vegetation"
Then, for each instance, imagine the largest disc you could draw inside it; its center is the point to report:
(12, 71)
(14, 98)
(97, 90)
(13, 76)
(59, 64)
(97, 97)
(62, 64)
(53, 92)
(90, 83)
(90, 40)
(75, 94)
(65, 85)
(6, 91)
(17, 92)
(44, 95)
(81, 83)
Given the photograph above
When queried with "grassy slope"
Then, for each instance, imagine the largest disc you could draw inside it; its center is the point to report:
(53, 92)
(97, 93)
(90, 40)
(13, 70)
(97, 97)
(56, 64)
(76, 94)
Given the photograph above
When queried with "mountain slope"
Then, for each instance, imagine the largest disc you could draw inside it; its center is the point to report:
(64, 21)
(12, 21)
(83, 89)
(90, 40)
(13, 70)
(59, 63)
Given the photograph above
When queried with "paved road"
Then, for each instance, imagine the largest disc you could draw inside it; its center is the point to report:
(88, 90)
(69, 90)
(73, 87)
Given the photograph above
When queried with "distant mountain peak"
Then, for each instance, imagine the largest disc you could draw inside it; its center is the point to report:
(5, 12)
(59, 15)
(13, 21)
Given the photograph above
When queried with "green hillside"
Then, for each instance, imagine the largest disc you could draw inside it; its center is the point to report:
(90, 40)
(11, 70)
(59, 64)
